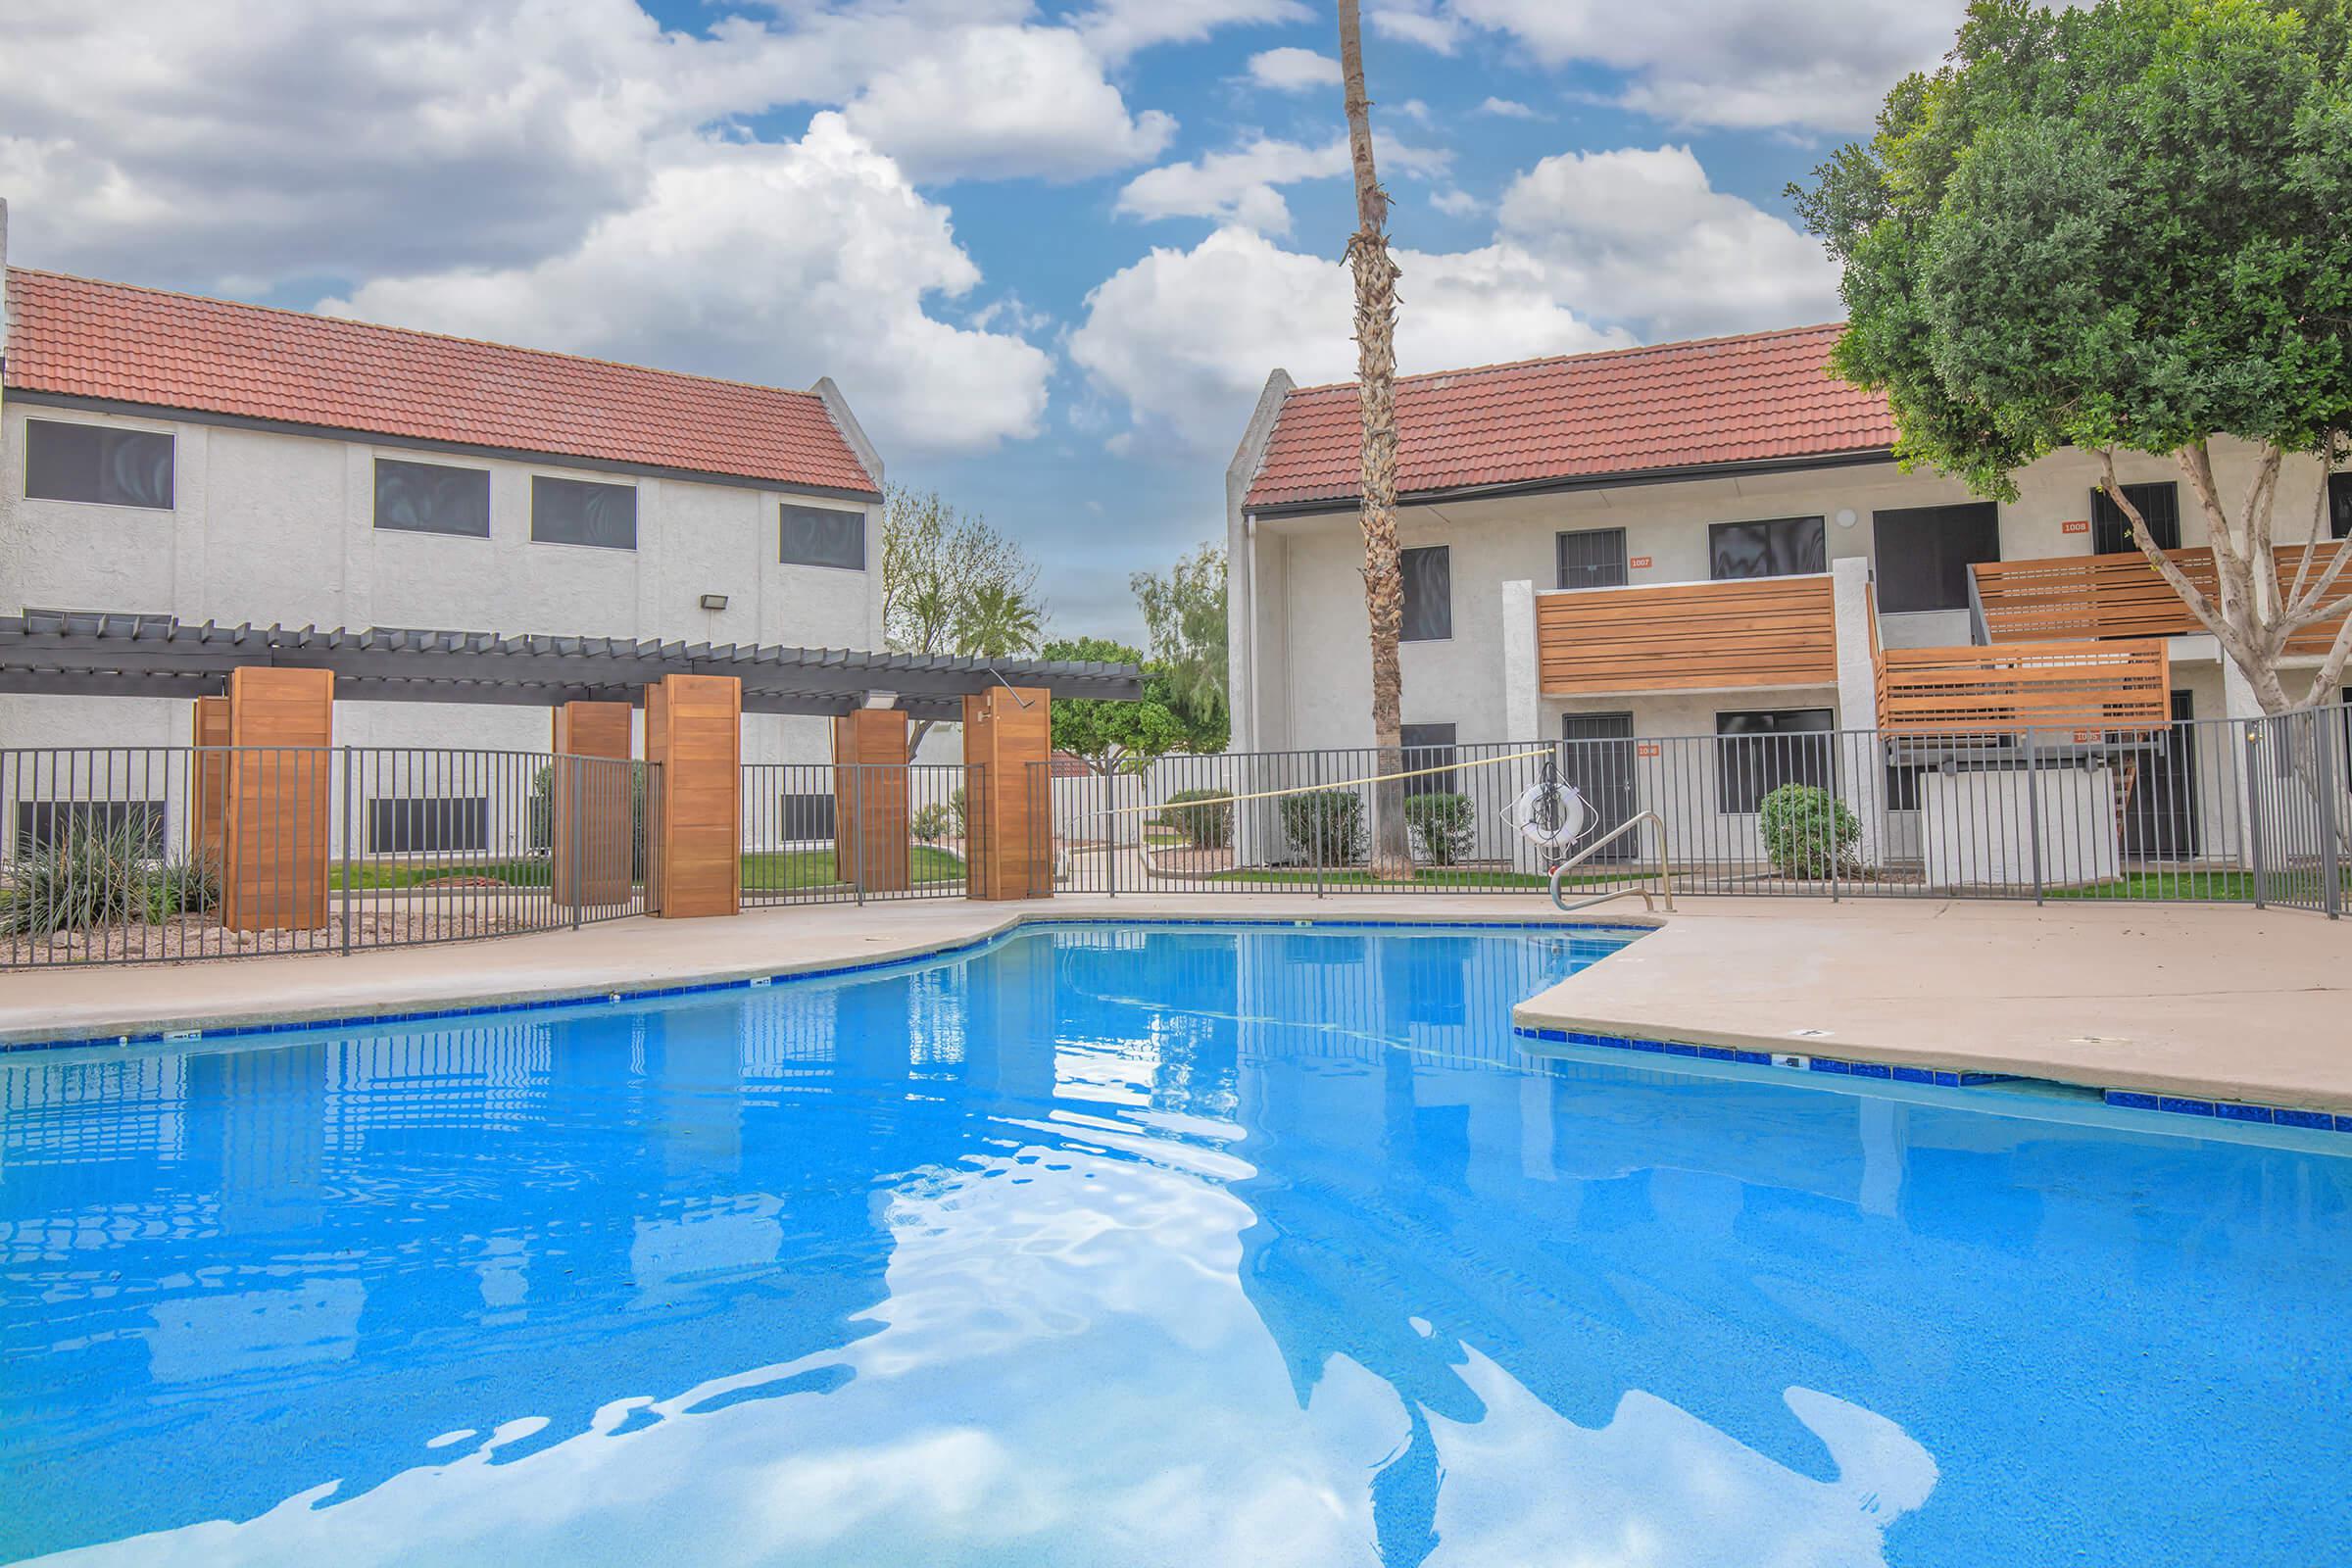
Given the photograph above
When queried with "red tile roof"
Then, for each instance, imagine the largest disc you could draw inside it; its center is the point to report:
(76, 336)
(1628, 411)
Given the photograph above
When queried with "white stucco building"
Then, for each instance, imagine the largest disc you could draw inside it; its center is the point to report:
(1705, 539)
(167, 455)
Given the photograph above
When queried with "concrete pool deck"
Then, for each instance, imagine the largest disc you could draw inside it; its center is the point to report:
(2218, 1003)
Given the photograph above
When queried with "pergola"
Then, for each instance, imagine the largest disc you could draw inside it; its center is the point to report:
(99, 653)
(264, 693)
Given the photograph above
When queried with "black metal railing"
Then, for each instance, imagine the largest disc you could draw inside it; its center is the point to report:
(845, 832)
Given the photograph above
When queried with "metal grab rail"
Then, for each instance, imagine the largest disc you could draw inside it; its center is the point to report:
(1665, 857)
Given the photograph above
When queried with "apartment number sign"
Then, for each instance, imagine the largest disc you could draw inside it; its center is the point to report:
(2080, 525)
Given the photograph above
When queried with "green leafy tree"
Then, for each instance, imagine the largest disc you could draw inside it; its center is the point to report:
(1110, 736)
(2127, 228)
(1185, 615)
(953, 585)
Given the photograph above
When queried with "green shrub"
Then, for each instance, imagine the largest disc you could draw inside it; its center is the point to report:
(930, 823)
(955, 804)
(1201, 817)
(95, 876)
(1445, 826)
(1326, 826)
(1807, 832)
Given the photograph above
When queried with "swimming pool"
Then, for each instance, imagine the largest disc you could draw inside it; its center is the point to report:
(1140, 1245)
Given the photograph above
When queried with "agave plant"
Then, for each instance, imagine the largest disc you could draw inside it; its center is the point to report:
(94, 876)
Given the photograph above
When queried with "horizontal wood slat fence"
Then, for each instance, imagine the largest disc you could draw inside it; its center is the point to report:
(1689, 636)
(2120, 596)
(2095, 687)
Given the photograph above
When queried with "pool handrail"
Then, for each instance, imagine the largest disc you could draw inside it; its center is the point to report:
(1665, 878)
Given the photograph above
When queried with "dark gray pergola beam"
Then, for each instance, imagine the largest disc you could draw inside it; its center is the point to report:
(110, 655)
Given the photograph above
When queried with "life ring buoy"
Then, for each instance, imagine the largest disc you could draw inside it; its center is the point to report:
(1552, 817)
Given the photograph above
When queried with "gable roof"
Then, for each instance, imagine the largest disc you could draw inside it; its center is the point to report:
(79, 337)
(1756, 398)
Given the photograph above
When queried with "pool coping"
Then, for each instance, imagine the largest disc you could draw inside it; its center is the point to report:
(236, 1023)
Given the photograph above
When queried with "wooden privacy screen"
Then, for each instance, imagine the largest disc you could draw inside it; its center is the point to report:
(1009, 839)
(694, 730)
(591, 836)
(275, 824)
(2122, 596)
(871, 826)
(208, 780)
(2090, 687)
(1688, 636)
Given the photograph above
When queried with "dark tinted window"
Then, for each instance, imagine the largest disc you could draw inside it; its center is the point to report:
(2159, 504)
(97, 463)
(2339, 505)
(1925, 553)
(823, 536)
(1778, 547)
(580, 511)
(1592, 557)
(807, 816)
(1760, 752)
(1428, 594)
(428, 824)
(432, 498)
(1428, 746)
(43, 824)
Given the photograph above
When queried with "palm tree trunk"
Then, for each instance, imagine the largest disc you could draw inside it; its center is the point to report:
(1376, 389)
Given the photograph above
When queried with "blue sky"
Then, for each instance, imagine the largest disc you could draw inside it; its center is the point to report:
(1048, 250)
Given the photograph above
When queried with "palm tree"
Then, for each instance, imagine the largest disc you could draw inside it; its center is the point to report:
(999, 621)
(1376, 394)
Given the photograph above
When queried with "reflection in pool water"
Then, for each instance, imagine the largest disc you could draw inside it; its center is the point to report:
(1137, 1246)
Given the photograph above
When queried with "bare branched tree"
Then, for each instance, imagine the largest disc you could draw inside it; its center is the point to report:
(1376, 275)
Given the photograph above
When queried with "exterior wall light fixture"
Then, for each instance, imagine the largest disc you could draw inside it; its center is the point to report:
(715, 601)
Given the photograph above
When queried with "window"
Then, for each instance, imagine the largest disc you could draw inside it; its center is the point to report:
(97, 463)
(1757, 752)
(432, 498)
(1428, 594)
(43, 824)
(428, 824)
(823, 536)
(2339, 505)
(1903, 786)
(1594, 557)
(1925, 553)
(580, 511)
(1428, 746)
(807, 816)
(1777, 547)
(2158, 504)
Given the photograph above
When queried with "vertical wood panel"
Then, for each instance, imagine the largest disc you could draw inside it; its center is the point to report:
(208, 787)
(871, 827)
(1009, 846)
(602, 837)
(701, 752)
(275, 828)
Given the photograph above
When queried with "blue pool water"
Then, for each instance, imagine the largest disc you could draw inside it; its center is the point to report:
(1141, 1245)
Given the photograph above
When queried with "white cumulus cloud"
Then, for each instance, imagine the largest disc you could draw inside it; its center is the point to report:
(775, 263)
(1242, 185)
(1291, 70)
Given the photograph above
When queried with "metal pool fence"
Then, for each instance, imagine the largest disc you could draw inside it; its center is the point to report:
(116, 855)
(2221, 811)
(845, 832)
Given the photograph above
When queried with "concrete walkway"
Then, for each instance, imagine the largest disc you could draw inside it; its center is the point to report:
(2216, 1002)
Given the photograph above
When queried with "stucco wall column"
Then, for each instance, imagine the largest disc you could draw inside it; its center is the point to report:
(1861, 753)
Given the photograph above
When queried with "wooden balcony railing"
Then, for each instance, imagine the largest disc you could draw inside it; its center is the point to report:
(1688, 636)
(2088, 687)
(2116, 596)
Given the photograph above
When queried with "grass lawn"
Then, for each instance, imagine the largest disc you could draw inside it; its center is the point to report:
(781, 870)
(767, 871)
(2216, 886)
